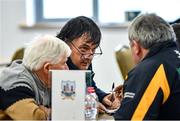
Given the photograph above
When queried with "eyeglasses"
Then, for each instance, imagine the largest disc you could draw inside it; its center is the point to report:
(84, 52)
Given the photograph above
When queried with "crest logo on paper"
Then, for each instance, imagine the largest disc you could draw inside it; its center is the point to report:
(68, 89)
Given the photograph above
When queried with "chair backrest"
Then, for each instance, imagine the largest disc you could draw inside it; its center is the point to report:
(124, 59)
(18, 54)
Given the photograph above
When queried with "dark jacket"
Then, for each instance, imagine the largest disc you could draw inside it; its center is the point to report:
(152, 89)
(101, 94)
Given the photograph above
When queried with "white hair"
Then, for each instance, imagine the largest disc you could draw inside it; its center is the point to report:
(45, 48)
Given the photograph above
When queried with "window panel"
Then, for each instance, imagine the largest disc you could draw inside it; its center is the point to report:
(113, 11)
(53, 9)
(104, 11)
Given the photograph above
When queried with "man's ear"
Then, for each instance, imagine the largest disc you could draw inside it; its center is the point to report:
(46, 67)
(137, 47)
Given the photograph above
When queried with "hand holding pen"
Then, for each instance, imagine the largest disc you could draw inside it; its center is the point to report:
(111, 101)
(119, 92)
(112, 92)
(115, 103)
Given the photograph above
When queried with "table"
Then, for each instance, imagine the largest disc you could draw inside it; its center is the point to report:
(105, 117)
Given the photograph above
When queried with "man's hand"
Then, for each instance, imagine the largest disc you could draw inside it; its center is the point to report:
(107, 100)
(45, 109)
(113, 100)
(101, 108)
(119, 92)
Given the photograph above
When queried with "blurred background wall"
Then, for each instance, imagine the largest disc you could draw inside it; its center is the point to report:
(0, 28)
(12, 36)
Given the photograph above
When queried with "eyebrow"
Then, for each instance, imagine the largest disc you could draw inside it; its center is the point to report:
(85, 45)
(88, 46)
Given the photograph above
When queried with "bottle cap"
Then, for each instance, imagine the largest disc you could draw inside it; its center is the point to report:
(90, 90)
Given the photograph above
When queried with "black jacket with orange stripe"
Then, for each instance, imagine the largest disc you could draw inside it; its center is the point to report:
(152, 88)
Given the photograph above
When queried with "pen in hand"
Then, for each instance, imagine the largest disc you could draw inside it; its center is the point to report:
(112, 92)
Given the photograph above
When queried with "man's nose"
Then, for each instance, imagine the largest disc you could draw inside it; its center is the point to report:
(88, 56)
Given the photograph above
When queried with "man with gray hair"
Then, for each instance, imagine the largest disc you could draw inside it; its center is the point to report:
(25, 85)
(152, 88)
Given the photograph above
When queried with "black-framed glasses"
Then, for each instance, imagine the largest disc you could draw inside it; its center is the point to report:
(84, 53)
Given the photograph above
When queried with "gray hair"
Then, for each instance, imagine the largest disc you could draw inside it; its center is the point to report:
(149, 29)
(45, 48)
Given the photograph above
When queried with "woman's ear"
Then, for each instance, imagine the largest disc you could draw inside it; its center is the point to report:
(47, 67)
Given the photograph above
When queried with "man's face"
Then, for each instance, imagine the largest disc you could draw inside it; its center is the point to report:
(59, 66)
(82, 52)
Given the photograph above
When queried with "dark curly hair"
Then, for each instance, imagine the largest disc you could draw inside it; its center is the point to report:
(78, 26)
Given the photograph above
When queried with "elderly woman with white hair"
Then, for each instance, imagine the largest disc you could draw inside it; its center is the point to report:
(25, 84)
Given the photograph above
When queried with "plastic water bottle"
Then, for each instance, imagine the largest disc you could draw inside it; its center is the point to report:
(91, 104)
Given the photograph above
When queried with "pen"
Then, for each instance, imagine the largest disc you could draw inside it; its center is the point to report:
(112, 92)
(113, 87)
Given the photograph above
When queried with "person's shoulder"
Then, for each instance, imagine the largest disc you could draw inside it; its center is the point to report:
(146, 66)
(141, 74)
(15, 75)
(143, 71)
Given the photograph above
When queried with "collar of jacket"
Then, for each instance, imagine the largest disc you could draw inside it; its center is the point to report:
(74, 67)
(160, 46)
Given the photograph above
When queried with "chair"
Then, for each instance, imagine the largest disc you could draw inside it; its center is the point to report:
(124, 59)
(18, 54)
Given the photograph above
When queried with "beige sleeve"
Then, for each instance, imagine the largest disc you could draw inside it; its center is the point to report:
(26, 109)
